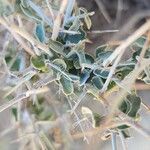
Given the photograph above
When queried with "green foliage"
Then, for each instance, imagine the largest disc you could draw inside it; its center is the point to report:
(39, 63)
(130, 105)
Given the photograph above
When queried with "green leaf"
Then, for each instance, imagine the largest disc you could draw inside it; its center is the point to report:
(60, 63)
(140, 41)
(84, 76)
(40, 32)
(100, 49)
(88, 22)
(97, 82)
(122, 127)
(77, 37)
(67, 85)
(93, 91)
(38, 63)
(56, 46)
(89, 59)
(122, 72)
(98, 119)
(126, 133)
(16, 65)
(130, 105)
(14, 112)
(102, 73)
(111, 85)
(75, 25)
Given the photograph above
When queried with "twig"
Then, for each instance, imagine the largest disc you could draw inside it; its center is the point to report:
(128, 83)
(69, 10)
(78, 102)
(113, 141)
(22, 97)
(102, 31)
(145, 47)
(50, 9)
(120, 51)
(58, 20)
(25, 35)
(124, 146)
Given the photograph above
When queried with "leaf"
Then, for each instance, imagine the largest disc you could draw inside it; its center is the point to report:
(97, 82)
(38, 63)
(138, 51)
(60, 63)
(75, 25)
(122, 72)
(111, 85)
(130, 105)
(84, 76)
(101, 73)
(56, 46)
(140, 41)
(126, 133)
(98, 119)
(122, 127)
(16, 65)
(78, 58)
(103, 56)
(100, 49)
(87, 19)
(93, 91)
(14, 112)
(76, 38)
(67, 85)
(88, 22)
(40, 32)
(89, 59)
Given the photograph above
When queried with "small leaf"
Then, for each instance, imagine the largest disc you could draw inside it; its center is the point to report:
(98, 119)
(56, 46)
(84, 76)
(89, 59)
(16, 65)
(93, 91)
(111, 85)
(122, 127)
(102, 73)
(40, 32)
(140, 41)
(126, 133)
(100, 49)
(103, 56)
(75, 25)
(60, 63)
(88, 22)
(130, 105)
(97, 82)
(38, 63)
(122, 72)
(67, 85)
(77, 37)
(14, 112)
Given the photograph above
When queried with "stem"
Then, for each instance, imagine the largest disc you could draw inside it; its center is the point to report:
(113, 141)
